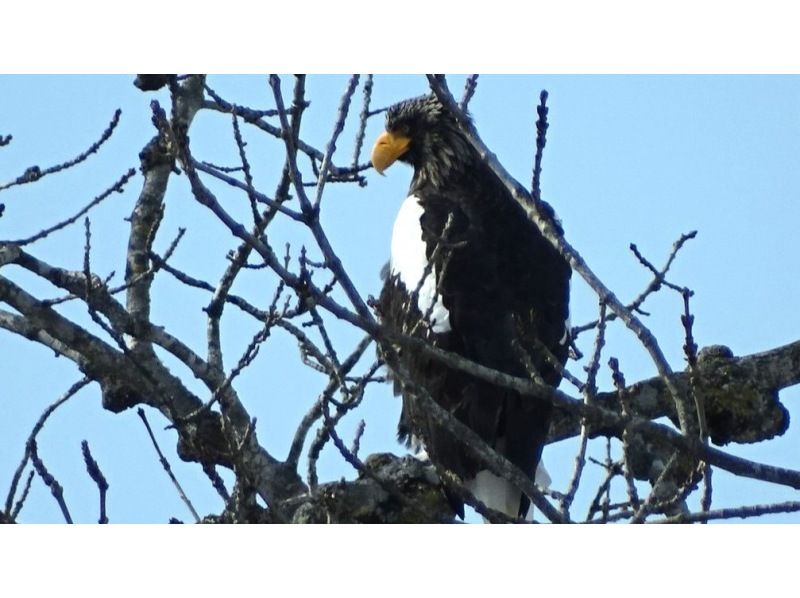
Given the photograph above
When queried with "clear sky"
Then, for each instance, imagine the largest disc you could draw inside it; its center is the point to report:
(637, 159)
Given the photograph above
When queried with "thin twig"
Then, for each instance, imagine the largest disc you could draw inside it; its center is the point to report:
(590, 388)
(117, 187)
(157, 263)
(556, 365)
(315, 412)
(330, 431)
(653, 286)
(619, 384)
(167, 468)
(55, 488)
(215, 307)
(469, 90)
(89, 299)
(349, 456)
(248, 176)
(705, 501)
(219, 167)
(650, 503)
(541, 140)
(71, 392)
(356, 445)
(190, 281)
(220, 392)
(612, 471)
(34, 173)
(362, 121)
(307, 347)
(589, 393)
(344, 107)
(220, 105)
(25, 491)
(690, 350)
(299, 104)
(350, 174)
(260, 197)
(352, 400)
(645, 262)
(330, 351)
(577, 473)
(332, 260)
(93, 469)
(610, 465)
(734, 512)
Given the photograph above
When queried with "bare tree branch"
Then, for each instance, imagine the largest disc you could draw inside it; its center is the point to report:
(55, 488)
(116, 187)
(93, 469)
(34, 173)
(71, 392)
(167, 468)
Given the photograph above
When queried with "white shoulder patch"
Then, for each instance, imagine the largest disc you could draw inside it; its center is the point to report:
(408, 261)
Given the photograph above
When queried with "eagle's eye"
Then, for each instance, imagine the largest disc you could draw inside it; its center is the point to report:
(403, 129)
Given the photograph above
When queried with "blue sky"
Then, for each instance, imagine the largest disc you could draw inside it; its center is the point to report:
(637, 159)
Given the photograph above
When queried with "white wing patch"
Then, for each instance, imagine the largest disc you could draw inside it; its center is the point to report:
(408, 261)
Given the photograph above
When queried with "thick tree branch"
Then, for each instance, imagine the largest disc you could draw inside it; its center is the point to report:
(741, 395)
(147, 381)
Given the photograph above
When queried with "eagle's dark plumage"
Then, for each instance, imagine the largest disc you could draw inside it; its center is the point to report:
(470, 273)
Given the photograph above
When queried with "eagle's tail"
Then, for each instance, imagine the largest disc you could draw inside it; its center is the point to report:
(501, 495)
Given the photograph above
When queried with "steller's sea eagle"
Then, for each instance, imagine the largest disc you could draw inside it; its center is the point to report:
(470, 273)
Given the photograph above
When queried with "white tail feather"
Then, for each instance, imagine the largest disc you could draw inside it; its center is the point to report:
(501, 495)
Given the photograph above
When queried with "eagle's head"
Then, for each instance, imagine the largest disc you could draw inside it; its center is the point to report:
(422, 133)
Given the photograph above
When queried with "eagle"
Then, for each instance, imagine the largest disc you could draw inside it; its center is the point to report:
(471, 274)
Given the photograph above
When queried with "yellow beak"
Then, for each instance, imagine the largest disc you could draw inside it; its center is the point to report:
(388, 148)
